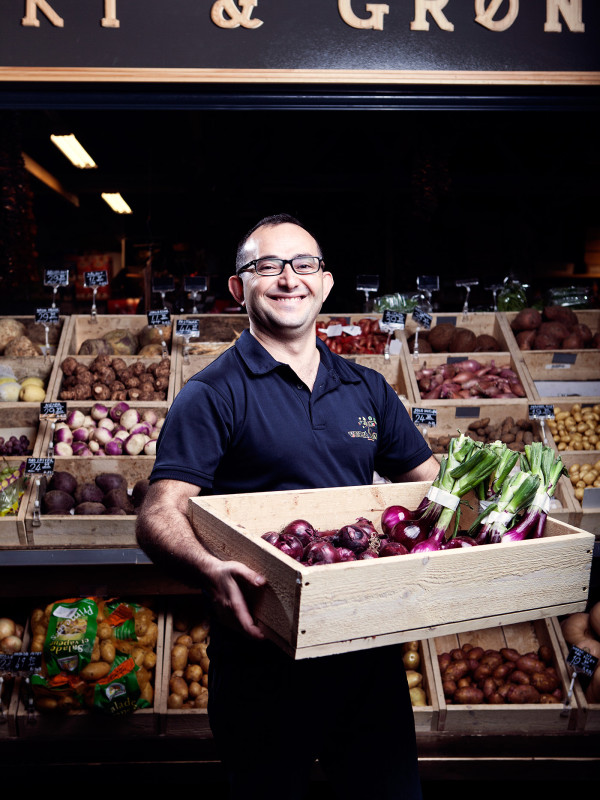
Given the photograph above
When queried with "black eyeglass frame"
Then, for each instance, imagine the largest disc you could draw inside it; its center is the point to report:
(284, 261)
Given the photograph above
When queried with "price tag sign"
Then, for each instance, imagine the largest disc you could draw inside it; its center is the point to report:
(187, 327)
(430, 283)
(591, 498)
(424, 416)
(56, 277)
(47, 316)
(393, 320)
(367, 283)
(164, 284)
(541, 411)
(21, 663)
(56, 409)
(159, 318)
(96, 278)
(422, 318)
(195, 283)
(39, 466)
(582, 661)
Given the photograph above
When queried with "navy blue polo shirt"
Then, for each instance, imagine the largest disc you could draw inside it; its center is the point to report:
(247, 423)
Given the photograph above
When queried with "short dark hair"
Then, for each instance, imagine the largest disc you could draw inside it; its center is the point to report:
(274, 219)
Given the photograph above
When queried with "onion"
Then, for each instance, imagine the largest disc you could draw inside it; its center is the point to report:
(11, 644)
(392, 549)
(290, 545)
(458, 542)
(367, 554)
(345, 554)
(7, 627)
(302, 529)
(392, 515)
(320, 552)
(409, 533)
(270, 536)
(352, 537)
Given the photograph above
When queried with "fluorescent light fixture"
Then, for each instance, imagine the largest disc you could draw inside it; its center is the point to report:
(76, 154)
(116, 202)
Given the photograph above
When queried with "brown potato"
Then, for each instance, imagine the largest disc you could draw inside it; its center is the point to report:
(179, 657)
(94, 671)
(193, 672)
(523, 694)
(175, 701)
(470, 695)
(179, 686)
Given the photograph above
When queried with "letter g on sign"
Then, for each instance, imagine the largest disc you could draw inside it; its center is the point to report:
(226, 14)
(374, 22)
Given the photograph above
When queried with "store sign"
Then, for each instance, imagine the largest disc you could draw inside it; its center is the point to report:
(295, 41)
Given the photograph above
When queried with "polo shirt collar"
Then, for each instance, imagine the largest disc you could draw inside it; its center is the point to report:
(260, 361)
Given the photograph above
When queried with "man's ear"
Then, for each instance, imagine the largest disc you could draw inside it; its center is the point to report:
(236, 287)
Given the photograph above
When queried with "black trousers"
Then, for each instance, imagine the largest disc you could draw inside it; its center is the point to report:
(272, 717)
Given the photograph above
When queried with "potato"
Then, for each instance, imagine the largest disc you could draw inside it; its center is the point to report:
(179, 686)
(179, 657)
(193, 672)
(413, 678)
(200, 632)
(107, 650)
(418, 696)
(470, 695)
(94, 671)
(175, 701)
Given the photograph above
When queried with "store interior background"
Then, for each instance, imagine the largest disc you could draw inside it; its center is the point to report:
(459, 194)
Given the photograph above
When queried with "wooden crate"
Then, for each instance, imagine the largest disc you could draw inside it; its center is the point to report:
(570, 381)
(82, 327)
(87, 360)
(451, 420)
(312, 611)
(589, 515)
(56, 337)
(477, 322)
(426, 717)
(22, 419)
(46, 430)
(12, 528)
(44, 367)
(33, 724)
(511, 719)
(434, 360)
(214, 327)
(87, 530)
(588, 714)
(589, 317)
(179, 722)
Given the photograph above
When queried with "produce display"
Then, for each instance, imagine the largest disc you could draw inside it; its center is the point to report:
(371, 340)
(31, 389)
(412, 661)
(123, 342)
(96, 654)
(15, 447)
(107, 378)
(11, 636)
(107, 494)
(188, 680)
(472, 675)
(583, 630)
(12, 487)
(576, 429)
(447, 338)
(584, 476)
(25, 339)
(464, 380)
(118, 430)
(517, 490)
(556, 328)
(514, 433)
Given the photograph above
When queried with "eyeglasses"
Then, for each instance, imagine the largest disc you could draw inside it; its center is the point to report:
(302, 265)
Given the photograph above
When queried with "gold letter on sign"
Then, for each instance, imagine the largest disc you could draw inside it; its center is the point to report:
(109, 20)
(374, 22)
(235, 16)
(434, 7)
(571, 11)
(485, 16)
(30, 19)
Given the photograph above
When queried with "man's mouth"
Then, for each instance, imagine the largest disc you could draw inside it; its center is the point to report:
(287, 298)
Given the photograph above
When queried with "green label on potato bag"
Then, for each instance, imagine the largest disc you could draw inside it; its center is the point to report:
(119, 692)
(70, 636)
(120, 615)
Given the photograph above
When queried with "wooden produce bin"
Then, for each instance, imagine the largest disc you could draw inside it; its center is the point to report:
(508, 718)
(180, 721)
(589, 317)
(452, 419)
(82, 327)
(36, 332)
(34, 724)
(103, 530)
(588, 714)
(12, 527)
(477, 322)
(311, 611)
(214, 327)
(22, 419)
(562, 376)
(44, 367)
(588, 510)
(426, 717)
(435, 360)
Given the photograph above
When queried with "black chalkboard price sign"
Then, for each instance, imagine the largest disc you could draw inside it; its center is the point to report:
(195, 283)
(47, 316)
(541, 411)
(159, 318)
(166, 284)
(424, 416)
(56, 277)
(187, 327)
(422, 318)
(582, 661)
(39, 466)
(21, 663)
(96, 278)
(393, 320)
(54, 408)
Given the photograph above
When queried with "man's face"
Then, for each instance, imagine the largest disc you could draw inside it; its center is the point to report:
(286, 304)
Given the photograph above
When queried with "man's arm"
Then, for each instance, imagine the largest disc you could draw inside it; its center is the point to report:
(427, 471)
(164, 532)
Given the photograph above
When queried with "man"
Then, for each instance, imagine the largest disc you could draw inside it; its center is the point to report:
(277, 411)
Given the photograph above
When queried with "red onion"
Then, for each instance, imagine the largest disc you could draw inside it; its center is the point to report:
(392, 549)
(302, 529)
(345, 554)
(320, 552)
(367, 554)
(290, 545)
(352, 537)
(270, 536)
(392, 515)
(409, 533)
(458, 542)
(366, 526)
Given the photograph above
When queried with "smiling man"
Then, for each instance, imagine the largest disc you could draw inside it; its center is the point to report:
(279, 411)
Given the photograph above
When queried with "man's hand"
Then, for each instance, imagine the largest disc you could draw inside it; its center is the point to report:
(226, 583)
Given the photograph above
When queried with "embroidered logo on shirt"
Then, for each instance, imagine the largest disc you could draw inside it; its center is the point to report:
(370, 432)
